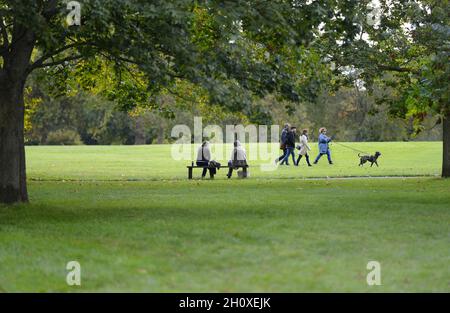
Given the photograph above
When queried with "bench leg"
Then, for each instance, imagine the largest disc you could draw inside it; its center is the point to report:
(211, 175)
(244, 169)
(190, 173)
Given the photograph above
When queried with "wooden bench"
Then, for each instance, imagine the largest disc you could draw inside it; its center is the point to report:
(191, 167)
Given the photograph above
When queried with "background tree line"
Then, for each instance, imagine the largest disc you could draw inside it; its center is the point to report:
(85, 118)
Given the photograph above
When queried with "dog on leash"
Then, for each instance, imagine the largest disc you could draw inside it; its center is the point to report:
(369, 158)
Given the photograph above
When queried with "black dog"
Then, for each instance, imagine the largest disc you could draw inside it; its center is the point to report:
(369, 158)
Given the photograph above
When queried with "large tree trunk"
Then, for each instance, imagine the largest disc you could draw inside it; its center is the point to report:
(13, 186)
(14, 72)
(446, 146)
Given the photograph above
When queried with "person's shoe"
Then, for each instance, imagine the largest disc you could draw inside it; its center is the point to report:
(315, 163)
(309, 165)
(331, 163)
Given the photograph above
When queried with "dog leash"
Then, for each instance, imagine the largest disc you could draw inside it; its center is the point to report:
(350, 148)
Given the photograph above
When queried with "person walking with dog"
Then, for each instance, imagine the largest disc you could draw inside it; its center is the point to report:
(290, 146)
(283, 141)
(203, 157)
(238, 158)
(304, 148)
(323, 146)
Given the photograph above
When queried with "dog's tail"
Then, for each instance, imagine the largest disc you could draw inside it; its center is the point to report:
(359, 154)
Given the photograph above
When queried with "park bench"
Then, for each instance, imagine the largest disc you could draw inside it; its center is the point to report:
(191, 167)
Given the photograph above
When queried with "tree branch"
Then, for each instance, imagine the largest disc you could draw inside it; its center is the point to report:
(61, 61)
(393, 68)
(40, 62)
(5, 41)
(54, 63)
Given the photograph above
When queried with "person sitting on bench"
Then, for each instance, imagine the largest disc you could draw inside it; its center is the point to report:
(238, 158)
(203, 157)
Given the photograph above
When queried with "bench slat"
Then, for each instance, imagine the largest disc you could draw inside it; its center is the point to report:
(190, 166)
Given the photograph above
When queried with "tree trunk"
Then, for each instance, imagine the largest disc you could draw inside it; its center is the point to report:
(14, 72)
(160, 139)
(446, 146)
(13, 186)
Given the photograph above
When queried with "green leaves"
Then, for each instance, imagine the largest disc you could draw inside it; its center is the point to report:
(131, 51)
(236, 51)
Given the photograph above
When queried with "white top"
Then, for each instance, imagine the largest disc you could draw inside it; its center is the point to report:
(304, 147)
(241, 155)
(206, 153)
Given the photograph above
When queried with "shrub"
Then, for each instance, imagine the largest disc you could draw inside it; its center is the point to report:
(63, 137)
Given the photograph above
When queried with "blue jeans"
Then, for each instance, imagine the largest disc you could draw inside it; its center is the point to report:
(282, 157)
(289, 151)
(328, 153)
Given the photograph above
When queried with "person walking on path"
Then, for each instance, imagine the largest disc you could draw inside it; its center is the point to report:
(323, 146)
(283, 142)
(304, 147)
(290, 146)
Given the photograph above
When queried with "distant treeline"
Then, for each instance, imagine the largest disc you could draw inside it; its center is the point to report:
(349, 114)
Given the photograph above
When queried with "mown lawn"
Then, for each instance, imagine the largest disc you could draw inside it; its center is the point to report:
(279, 233)
(154, 162)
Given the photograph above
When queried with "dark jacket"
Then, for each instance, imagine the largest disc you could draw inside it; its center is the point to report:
(283, 135)
(290, 140)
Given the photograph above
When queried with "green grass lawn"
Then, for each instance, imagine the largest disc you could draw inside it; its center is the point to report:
(273, 232)
(154, 162)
